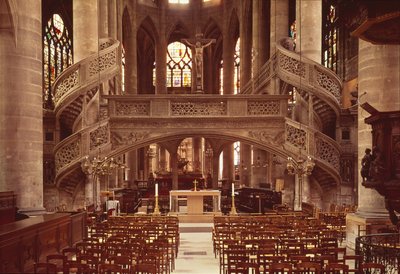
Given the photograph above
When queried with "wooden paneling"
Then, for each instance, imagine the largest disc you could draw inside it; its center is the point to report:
(25, 242)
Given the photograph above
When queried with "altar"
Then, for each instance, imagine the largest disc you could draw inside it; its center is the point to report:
(195, 200)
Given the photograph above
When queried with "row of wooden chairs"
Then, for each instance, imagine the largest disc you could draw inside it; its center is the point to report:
(121, 245)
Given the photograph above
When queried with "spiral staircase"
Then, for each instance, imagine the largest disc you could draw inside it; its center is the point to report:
(89, 81)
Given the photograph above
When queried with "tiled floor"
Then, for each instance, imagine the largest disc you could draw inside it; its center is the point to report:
(195, 251)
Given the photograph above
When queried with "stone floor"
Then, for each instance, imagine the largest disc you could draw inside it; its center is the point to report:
(196, 251)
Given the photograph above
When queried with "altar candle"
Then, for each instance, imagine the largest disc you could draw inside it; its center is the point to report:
(156, 186)
(233, 189)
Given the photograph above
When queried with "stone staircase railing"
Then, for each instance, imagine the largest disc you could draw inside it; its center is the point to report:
(83, 75)
(82, 79)
(326, 152)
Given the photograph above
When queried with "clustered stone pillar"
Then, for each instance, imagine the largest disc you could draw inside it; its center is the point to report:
(260, 34)
(245, 46)
(308, 26)
(161, 49)
(382, 92)
(112, 19)
(85, 24)
(21, 129)
(279, 29)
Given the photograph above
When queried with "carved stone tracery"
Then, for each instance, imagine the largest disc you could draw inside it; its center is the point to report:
(66, 85)
(198, 109)
(120, 139)
(263, 108)
(327, 152)
(328, 84)
(102, 63)
(67, 154)
(296, 137)
(292, 65)
(133, 108)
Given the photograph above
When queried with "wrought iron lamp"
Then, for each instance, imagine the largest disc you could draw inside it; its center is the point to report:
(100, 166)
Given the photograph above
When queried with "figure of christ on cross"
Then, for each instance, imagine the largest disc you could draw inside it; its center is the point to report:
(199, 43)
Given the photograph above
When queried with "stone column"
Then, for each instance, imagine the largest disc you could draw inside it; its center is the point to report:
(161, 51)
(163, 159)
(215, 169)
(112, 19)
(279, 22)
(227, 170)
(103, 18)
(260, 34)
(89, 190)
(85, 24)
(308, 25)
(196, 154)
(228, 53)
(279, 29)
(382, 92)
(21, 129)
(245, 44)
(130, 43)
(174, 169)
(245, 164)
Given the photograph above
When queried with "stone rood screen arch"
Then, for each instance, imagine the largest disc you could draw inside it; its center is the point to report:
(199, 43)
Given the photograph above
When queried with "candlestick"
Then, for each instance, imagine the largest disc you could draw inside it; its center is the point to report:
(233, 189)
(156, 186)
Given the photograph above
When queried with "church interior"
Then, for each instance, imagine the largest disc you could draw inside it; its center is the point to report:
(199, 136)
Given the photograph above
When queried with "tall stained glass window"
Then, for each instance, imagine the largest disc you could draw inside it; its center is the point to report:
(57, 54)
(236, 76)
(330, 36)
(123, 62)
(179, 65)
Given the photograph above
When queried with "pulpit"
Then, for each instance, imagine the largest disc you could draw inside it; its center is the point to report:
(381, 168)
(195, 200)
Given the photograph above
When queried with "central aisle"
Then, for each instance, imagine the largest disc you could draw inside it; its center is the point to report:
(196, 250)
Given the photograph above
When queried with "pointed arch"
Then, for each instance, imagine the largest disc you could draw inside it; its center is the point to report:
(177, 31)
(212, 56)
(8, 9)
(234, 25)
(147, 37)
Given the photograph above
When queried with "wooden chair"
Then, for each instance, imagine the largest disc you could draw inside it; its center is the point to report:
(336, 268)
(45, 268)
(144, 268)
(275, 268)
(372, 268)
(305, 267)
(112, 269)
(354, 262)
(58, 259)
(71, 253)
(75, 267)
(124, 261)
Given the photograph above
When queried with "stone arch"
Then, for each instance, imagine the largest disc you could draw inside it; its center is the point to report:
(147, 35)
(8, 10)
(177, 31)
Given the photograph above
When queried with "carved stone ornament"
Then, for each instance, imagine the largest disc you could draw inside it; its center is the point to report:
(266, 137)
(120, 139)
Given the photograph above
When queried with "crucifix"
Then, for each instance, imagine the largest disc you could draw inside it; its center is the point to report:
(195, 185)
(198, 43)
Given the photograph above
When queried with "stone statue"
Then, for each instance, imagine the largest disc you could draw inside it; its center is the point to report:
(198, 44)
(366, 165)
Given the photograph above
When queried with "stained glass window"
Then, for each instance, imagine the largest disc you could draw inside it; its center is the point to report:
(57, 55)
(236, 77)
(123, 70)
(236, 153)
(330, 36)
(178, 1)
(179, 65)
